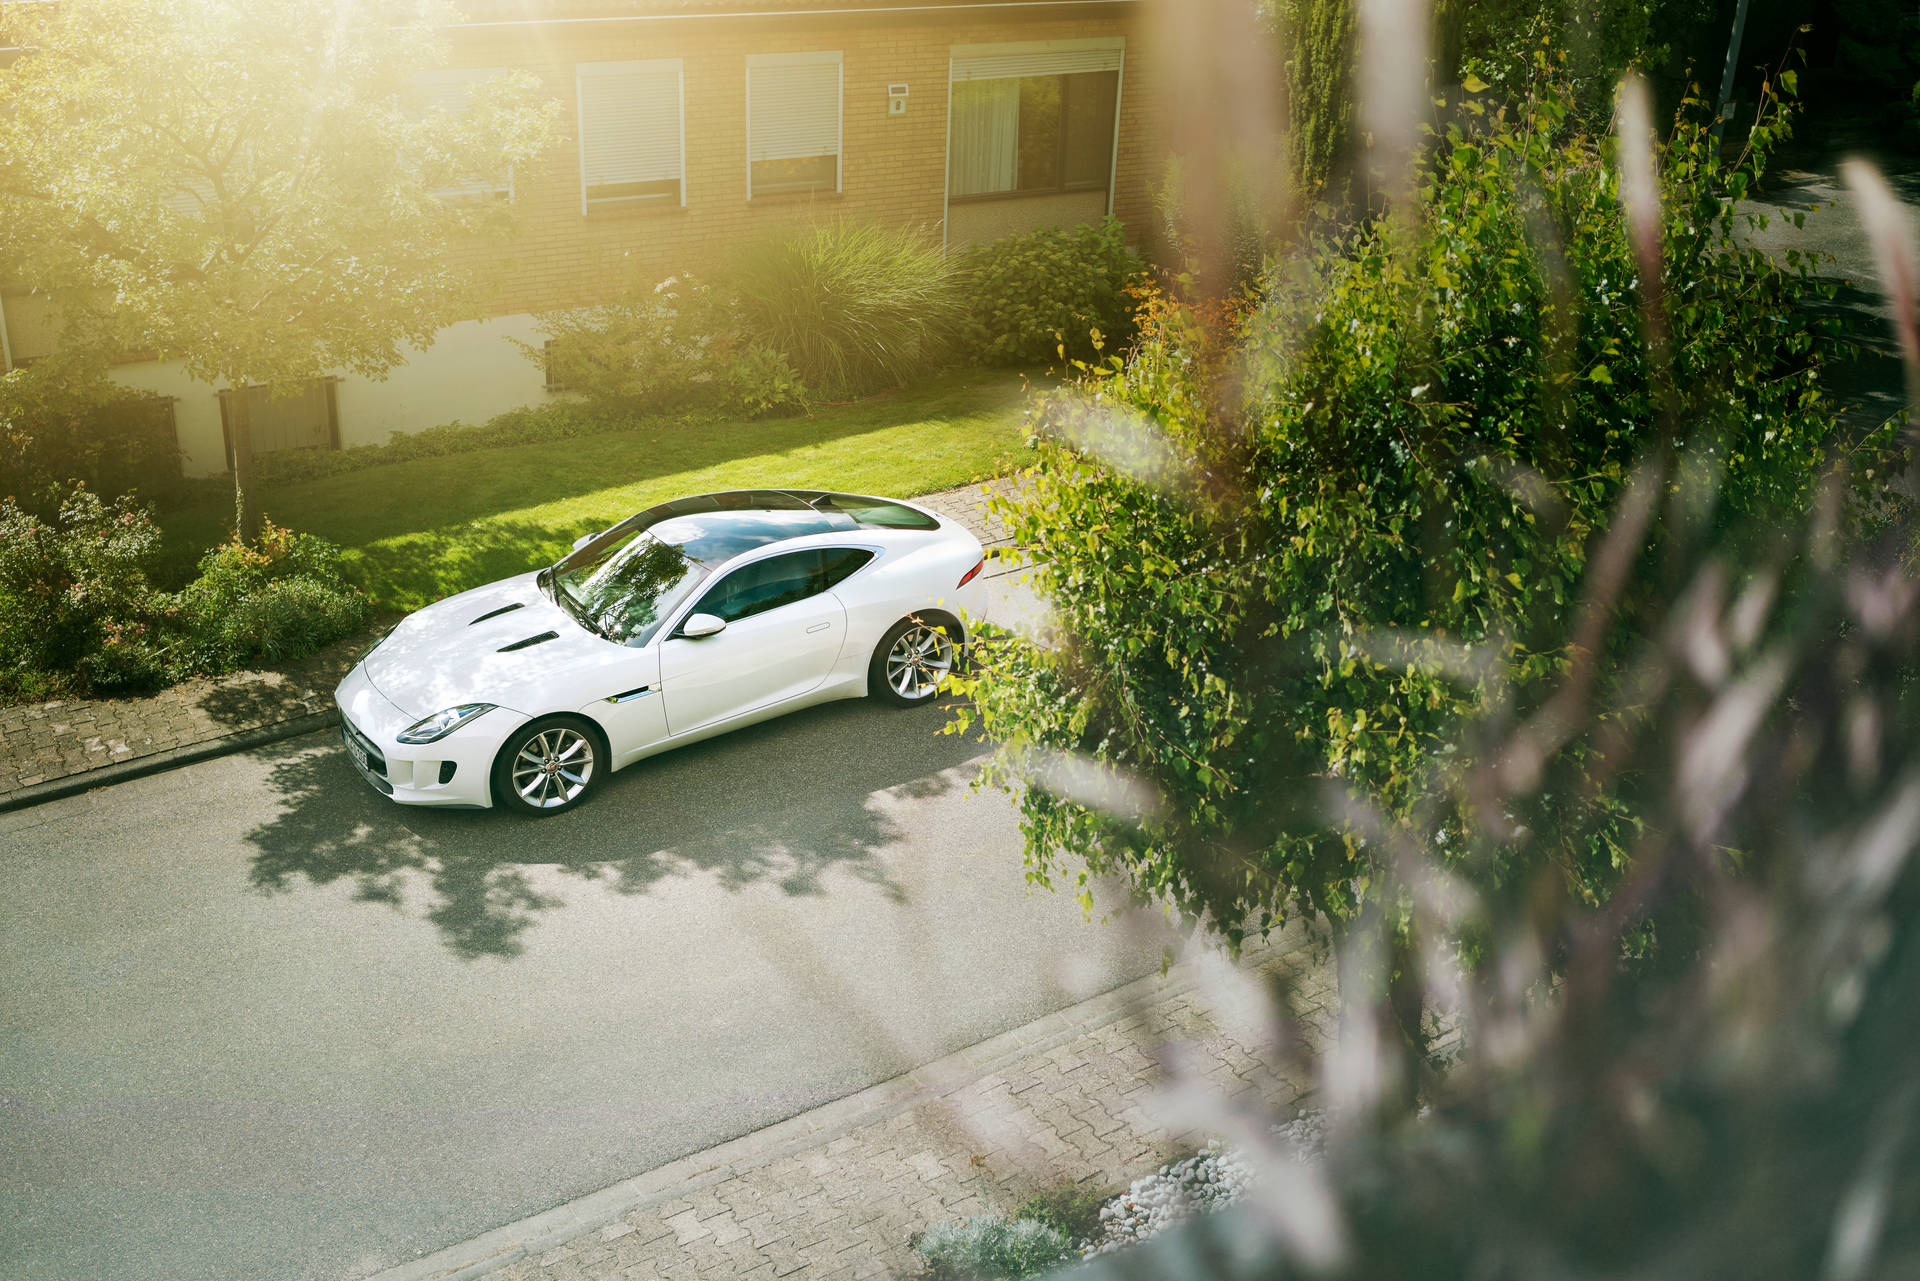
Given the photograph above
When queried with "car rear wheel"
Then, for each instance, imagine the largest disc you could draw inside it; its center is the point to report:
(548, 767)
(913, 660)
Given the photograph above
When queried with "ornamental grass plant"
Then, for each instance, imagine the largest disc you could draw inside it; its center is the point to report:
(854, 307)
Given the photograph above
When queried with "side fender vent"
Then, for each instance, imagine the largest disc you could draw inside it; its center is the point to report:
(504, 609)
(529, 642)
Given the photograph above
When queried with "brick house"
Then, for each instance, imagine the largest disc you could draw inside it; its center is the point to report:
(696, 123)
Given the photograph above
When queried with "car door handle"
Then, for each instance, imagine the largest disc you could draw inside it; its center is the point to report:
(818, 627)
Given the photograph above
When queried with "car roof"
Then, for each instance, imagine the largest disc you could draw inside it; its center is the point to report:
(711, 529)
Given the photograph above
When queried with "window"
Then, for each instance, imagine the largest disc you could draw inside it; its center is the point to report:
(450, 91)
(1033, 119)
(793, 123)
(764, 585)
(632, 133)
(192, 197)
(838, 564)
(878, 512)
(781, 580)
(301, 417)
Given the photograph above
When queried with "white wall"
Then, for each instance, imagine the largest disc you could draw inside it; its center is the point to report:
(471, 373)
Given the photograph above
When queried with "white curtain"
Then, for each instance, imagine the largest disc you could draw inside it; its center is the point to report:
(986, 136)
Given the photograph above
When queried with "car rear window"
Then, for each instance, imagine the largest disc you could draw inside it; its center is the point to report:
(876, 512)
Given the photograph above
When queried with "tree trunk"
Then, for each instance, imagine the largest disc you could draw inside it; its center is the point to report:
(246, 500)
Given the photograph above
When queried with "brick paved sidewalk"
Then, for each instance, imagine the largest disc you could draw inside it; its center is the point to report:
(46, 744)
(839, 1192)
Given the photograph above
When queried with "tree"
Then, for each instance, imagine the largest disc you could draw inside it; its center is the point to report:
(1309, 554)
(1746, 1106)
(254, 187)
(1322, 39)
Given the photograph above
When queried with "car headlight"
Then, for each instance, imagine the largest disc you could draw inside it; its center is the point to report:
(443, 723)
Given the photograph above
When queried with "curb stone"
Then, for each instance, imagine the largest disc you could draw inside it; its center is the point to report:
(544, 1234)
(55, 789)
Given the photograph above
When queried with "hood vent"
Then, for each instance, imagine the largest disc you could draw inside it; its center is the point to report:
(529, 642)
(504, 609)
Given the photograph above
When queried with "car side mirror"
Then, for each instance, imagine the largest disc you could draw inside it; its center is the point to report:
(698, 625)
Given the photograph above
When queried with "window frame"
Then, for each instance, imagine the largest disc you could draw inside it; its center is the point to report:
(837, 58)
(584, 70)
(1063, 187)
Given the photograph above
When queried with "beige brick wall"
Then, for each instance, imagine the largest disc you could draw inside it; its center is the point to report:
(893, 167)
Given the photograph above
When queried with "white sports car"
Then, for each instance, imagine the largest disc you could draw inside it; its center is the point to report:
(687, 620)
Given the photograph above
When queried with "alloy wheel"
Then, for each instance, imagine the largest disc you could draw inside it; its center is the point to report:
(919, 661)
(553, 768)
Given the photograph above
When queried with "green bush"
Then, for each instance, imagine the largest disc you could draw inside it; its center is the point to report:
(831, 310)
(990, 1248)
(283, 599)
(854, 307)
(75, 601)
(1322, 545)
(62, 421)
(1224, 260)
(1071, 1209)
(761, 382)
(1029, 297)
(663, 347)
(79, 615)
(1668, 41)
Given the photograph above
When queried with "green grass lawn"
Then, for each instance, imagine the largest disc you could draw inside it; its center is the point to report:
(419, 530)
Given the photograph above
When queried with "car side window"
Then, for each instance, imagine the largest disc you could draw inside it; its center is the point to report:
(764, 585)
(840, 563)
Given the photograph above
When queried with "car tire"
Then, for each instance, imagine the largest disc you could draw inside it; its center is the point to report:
(914, 659)
(531, 776)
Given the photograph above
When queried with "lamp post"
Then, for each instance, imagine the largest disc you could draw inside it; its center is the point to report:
(1725, 100)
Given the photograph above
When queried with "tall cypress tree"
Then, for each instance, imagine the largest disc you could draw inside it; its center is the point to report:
(1323, 38)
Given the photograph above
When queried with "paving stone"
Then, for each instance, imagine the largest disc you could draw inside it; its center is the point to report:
(848, 1205)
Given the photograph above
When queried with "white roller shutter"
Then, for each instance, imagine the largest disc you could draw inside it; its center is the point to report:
(1039, 58)
(192, 196)
(631, 124)
(793, 106)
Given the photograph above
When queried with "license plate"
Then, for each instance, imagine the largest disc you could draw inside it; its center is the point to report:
(354, 750)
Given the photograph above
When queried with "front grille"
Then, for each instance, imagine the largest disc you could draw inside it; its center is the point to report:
(376, 759)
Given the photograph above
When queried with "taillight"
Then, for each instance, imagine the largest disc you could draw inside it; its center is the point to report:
(972, 573)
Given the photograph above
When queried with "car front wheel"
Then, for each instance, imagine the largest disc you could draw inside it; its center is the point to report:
(547, 767)
(913, 660)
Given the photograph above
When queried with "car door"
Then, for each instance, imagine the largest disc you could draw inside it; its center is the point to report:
(784, 631)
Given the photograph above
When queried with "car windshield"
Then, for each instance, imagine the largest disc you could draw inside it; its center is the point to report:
(625, 593)
(624, 588)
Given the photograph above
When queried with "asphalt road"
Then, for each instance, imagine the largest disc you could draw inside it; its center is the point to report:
(1870, 387)
(258, 1022)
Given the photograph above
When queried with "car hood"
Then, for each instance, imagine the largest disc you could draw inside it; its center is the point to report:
(486, 646)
